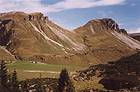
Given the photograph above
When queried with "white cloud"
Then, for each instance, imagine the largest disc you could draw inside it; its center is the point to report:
(37, 5)
(137, 30)
(73, 4)
(21, 5)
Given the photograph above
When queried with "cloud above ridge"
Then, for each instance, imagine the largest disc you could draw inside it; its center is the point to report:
(77, 4)
(38, 5)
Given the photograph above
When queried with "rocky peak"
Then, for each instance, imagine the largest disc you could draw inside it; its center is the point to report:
(36, 16)
(110, 23)
(23, 16)
(123, 31)
(99, 25)
(106, 22)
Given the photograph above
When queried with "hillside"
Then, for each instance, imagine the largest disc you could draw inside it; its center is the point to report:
(121, 74)
(33, 37)
(135, 36)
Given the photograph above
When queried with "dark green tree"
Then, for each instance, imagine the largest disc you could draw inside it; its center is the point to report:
(64, 82)
(3, 73)
(14, 82)
(3, 77)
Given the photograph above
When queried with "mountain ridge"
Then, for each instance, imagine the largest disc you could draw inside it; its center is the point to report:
(34, 37)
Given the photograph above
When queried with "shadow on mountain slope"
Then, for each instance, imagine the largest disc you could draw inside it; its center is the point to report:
(122, 74)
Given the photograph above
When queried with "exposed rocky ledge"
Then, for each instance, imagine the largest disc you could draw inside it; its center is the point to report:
(99, 25)
(24, 16)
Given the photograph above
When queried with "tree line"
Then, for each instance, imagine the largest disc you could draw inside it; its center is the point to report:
(10, 83)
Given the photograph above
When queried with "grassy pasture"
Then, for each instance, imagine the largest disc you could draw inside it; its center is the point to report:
(27, 70)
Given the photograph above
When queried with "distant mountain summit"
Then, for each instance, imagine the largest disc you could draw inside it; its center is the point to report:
(135, 36)
(34, 37)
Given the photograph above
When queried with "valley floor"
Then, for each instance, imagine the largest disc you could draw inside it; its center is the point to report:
(27, 70)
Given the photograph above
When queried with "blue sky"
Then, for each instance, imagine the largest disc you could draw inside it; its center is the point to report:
(73, 13)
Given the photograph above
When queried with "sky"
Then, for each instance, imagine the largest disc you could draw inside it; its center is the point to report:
(71, 14)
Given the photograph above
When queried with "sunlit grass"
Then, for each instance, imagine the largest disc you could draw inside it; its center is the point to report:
(27, 70)
(88, 84)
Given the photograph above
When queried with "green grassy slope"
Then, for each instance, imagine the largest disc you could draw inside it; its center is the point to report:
(27, 70)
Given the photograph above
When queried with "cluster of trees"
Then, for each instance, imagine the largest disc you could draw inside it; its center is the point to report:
(9, 82)
(64, 82)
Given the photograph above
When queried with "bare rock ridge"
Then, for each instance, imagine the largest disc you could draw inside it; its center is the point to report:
(111, 24)
(34, 37)
(24, 16)
(104, 24)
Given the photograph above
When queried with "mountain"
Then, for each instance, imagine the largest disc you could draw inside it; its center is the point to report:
(106, 41)
(135, 36)
(34, 37)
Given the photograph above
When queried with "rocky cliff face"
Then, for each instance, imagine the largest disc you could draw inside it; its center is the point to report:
(100, 25)
(34, 37)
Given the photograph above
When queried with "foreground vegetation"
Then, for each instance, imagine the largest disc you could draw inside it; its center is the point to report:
(93, 83)
(120, 76)
(10, 83)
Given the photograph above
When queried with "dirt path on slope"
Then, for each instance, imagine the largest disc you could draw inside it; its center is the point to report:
(38, 71)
